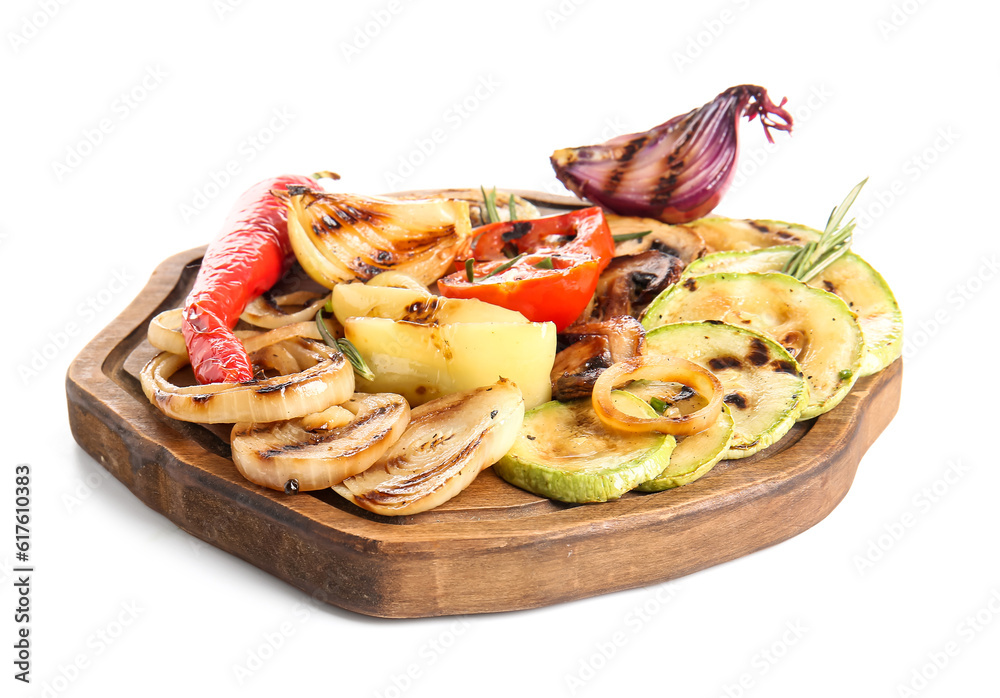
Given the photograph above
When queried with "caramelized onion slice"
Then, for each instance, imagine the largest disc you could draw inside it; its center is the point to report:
(269, 313)
(164, 332)
(320, 455)
(658, 368)
(447, 443)
(324, 378)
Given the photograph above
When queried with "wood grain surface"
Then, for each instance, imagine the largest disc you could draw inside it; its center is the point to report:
(492, 548)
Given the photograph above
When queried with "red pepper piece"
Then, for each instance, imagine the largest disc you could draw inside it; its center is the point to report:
(247, 258)
(573, 250)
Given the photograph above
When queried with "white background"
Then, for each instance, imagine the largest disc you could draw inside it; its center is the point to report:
(902, 91)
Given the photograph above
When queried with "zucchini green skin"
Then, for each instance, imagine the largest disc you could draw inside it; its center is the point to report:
(852, 278)
(694, 455)
(742, 360)
(781, 307)
(524, 467)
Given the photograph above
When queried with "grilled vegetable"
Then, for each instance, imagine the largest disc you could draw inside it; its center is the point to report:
(447, 443)
(578, 366)
(365, 300)
(636, 235)
(850, 277)
(554, 270)
(318, 451)
(761, 382)
(596, 346)
(271, 311)
(630, 282)
(679, 170)
(734, 234)
(658, 368)
(694, 455)
(523, 209)
(314, 377)
(565, 452)
(816, 327)
(423, 362)
(343, 237)
(246, 259)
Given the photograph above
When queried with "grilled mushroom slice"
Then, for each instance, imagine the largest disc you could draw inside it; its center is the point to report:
(448, 442)
(595, 346)
(577, 367)
(630, 282)
(677, 240)
(320, 450)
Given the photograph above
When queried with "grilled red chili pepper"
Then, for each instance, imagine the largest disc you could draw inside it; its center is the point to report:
(554, 272)
(247, 258)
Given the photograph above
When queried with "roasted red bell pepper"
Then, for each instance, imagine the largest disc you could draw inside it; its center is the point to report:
(556, 265)
(247, 258)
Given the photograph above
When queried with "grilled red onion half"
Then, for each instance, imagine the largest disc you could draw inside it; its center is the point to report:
(677, 171)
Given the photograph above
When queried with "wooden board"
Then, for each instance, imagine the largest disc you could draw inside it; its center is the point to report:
(492, 548)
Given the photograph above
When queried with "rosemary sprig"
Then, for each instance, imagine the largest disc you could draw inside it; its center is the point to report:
(470, 272)
(510, 207)
(814, 257)
(544, 263)
(630, 236)
(490, 201)
(504, 267)
(344, 346)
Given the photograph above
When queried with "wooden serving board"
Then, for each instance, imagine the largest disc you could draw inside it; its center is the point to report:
(492, 548)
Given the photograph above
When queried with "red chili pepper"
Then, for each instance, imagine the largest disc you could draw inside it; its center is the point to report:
(247, 258)
(554, 280)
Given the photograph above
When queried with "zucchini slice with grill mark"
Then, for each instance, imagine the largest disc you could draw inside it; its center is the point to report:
(763, 385)
(850, 277)
(694, 455)
(565, 452)
(721, 233)
(815, 326)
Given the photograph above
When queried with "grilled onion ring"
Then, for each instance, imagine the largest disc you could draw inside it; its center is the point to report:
(269, 314)
(658, 368)
(164, 332)
(324, 378)
(320, 456)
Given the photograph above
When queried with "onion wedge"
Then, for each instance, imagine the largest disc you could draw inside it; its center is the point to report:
(343, 237)
(448, 442)
(658, 368)
(314, 453)
(324, 378)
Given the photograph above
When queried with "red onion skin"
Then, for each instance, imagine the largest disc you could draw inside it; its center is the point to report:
(676, 172)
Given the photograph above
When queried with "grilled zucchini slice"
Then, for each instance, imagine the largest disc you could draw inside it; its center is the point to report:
(565, 452)
(694, 455)
(850, 277)
(734, 234)
(763, 385)
(815, 326)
